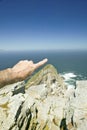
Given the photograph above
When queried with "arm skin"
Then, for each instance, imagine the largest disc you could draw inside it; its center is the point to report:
(19, 72)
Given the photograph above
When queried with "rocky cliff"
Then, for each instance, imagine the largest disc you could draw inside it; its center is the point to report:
(43, 103)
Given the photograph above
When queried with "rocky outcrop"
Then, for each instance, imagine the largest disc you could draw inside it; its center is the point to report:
(43, 103)
(48, 75)
(79, 104)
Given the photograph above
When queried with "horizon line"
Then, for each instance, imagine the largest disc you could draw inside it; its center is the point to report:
(17, 50)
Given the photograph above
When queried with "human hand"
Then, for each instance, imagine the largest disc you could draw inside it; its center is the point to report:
(25, 68)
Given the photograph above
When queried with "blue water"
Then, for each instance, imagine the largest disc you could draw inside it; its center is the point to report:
(74, 62)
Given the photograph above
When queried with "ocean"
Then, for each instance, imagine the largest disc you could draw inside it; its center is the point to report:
(72, 65)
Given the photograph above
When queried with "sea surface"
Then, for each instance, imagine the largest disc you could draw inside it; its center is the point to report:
(72, 65)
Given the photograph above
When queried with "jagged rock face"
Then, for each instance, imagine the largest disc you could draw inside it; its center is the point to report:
(49, 76)
(79, 104)
(43, 103)
(76, 107)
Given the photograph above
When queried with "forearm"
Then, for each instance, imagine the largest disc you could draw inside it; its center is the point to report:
(7, 77)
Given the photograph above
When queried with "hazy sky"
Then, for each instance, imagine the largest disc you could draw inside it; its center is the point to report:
(43, 24)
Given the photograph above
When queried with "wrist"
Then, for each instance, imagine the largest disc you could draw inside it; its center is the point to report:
(6, 77)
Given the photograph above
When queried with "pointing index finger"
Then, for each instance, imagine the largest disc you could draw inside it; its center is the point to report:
(37, 65)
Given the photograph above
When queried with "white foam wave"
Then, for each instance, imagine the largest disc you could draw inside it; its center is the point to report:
(69, 79)
(68, 76)
(69, 86)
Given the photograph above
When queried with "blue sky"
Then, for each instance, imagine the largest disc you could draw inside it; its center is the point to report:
(43, 24)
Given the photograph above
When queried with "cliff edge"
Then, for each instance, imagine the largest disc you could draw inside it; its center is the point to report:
(43, 103)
